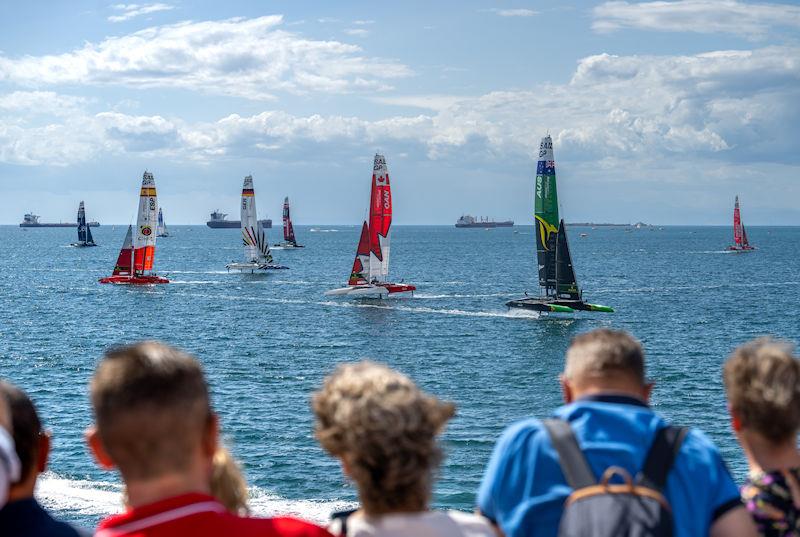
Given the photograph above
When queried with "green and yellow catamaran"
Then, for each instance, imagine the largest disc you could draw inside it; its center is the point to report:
(556, 273)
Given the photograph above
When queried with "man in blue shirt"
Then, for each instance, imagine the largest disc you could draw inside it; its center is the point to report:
(524, 489)
(22, 515)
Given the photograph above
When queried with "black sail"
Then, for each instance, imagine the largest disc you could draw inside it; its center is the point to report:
(82, 228)
(567, 284)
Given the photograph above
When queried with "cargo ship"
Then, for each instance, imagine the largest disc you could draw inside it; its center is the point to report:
(219, 220)
(483, 222)
(32, 220)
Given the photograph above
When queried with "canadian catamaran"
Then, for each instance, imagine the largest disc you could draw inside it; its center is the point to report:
(370, 273)
(556, 273)
(135, 262)
(257, 256)
(84, 232)
(289, 240)
(740, 242)
(161, 229)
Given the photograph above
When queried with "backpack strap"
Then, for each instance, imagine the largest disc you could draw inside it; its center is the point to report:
(662, 455)
(573, 464)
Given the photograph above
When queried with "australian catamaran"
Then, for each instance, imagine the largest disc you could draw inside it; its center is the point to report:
(257, 256)
(84, 232)
(161, 229)
(135, 262)
(289, 240)
(370, 273)
(556, 273)
(740, 242)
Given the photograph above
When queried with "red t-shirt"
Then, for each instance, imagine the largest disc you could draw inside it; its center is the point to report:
(199, 515)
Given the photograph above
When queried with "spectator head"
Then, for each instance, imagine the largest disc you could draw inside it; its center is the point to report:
(604, 361)
(383, 429)
(152, 412)
(228, 484)
(762, 381)
(31, 442)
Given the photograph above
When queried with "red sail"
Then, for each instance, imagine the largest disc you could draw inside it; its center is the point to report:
(288, 229)
(745, 243)
(124, 265)
(380, 209)
(357, 276)
(737, 224)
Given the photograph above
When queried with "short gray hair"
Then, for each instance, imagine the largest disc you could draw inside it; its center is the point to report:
(602, 353)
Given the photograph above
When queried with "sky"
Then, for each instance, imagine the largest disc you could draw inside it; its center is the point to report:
(659, 111)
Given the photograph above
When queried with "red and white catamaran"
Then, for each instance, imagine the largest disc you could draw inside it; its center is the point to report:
(135, 262)
(740, 242)
(289, 240)
(370, 273)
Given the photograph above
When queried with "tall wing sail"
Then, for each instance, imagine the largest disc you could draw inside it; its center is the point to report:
(362, 261)
(254, 239)
(737, 224)
(161, 227)
(89, 238)
(567, 286)
(380, 220)
(288, 228)
(124, 261)
(745, 242)
(146, 222)
(81, 223)
(546, 214)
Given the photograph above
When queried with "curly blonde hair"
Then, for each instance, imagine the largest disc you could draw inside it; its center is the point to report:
(384, 428)
(762, 380)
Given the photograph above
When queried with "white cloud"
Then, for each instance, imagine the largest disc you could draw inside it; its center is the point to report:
(700, 16)
(363, 22)
(721, 107)
(357, 32)
(251, 58)
(515, 12)
(130, 11)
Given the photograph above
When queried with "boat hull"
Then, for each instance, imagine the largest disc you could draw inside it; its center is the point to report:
(253, 267)
(134, 280)
(230, 224)
(379, 290)
(82, 244)
(556, 306)
(287, 246)
(741, 249)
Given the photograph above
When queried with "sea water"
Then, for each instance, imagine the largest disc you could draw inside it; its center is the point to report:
(267, 341)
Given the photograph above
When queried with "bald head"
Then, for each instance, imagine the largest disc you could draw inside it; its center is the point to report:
(605, 360)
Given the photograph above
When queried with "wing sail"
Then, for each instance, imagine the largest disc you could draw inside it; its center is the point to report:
(358, 275)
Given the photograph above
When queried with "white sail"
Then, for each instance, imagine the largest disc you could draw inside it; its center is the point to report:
(380, 220)
(256, 249)
(146, 222)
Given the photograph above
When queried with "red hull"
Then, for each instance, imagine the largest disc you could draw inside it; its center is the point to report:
(741, 248)
(398, 287)
(134, 280)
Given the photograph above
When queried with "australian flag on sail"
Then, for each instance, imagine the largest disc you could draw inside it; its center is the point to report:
(546, 167)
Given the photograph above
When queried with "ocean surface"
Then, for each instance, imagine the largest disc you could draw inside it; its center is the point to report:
(266, 341)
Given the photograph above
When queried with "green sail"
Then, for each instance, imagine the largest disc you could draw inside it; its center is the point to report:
(546, 214)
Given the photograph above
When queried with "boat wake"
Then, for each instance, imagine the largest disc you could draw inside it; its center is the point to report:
(412, 309)
(443, 296)
(84, 498)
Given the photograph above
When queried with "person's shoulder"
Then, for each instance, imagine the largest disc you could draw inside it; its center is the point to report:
(522, 429)
(472, 524)
(277, 527)
(699, 447)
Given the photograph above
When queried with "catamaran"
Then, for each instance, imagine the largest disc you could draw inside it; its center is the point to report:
(740, 242)
(84, 232)
(135, 262)
(256, 248)
(289, 240)
(556, 273)
(161, 228)
(370, 273)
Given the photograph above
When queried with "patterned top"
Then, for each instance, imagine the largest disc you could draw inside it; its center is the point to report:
(773, 499)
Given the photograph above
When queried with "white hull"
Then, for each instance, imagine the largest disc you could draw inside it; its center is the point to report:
(252, 267)
(286, 246)
(365, 291)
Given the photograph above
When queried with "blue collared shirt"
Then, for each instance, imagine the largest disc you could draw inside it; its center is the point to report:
(524, 489)
(26, 518)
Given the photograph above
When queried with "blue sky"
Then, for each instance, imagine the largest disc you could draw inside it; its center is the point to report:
(659, 111)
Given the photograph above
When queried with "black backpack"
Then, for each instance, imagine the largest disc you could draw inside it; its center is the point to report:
(634, 508)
